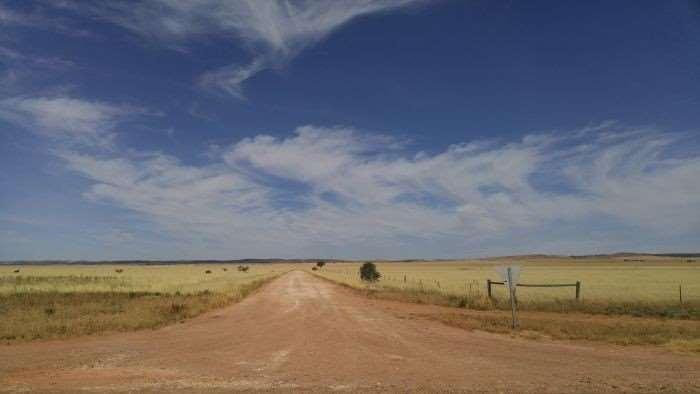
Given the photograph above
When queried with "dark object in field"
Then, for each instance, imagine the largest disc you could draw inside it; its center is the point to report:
(119, 270)
(314, 268)
(176, 308)
(207, 272)
(243, 268)
(225, 269)
(369, 273)
(16, 271)
(320, 264)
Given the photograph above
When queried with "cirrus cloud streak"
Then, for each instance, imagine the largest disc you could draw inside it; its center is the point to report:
(338, 189)
(273, 32)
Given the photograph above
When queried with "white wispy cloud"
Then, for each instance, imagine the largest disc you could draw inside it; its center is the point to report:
(34, 16)
(230, 79)
(273, 31)
(67, 119)
(13, 58)
(351, 192)
(11, 17)
(18, 67)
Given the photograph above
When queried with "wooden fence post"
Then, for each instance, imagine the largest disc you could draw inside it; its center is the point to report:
(488, 287)
(578, 290)
(680, 293)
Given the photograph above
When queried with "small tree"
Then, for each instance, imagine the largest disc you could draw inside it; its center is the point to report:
(369, 273)
(320, 264)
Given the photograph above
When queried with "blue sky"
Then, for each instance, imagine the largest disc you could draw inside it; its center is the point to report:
(171, 129)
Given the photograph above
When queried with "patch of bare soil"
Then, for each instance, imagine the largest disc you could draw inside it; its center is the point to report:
(302, 334)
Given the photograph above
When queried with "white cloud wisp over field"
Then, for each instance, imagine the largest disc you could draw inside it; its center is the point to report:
(350, 193)
(461, 166)
(337, 190)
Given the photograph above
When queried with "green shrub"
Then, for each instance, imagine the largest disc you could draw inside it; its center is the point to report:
(369, 273)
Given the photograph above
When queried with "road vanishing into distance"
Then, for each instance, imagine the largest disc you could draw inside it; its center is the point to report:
(300, 333)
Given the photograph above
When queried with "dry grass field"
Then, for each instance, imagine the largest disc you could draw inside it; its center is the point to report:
(303, 334)
(54, 301)
(623, 302)
(654, 280)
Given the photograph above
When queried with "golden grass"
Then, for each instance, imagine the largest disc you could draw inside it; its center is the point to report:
(655, 280)
(183, 278)
(40, 302)
(67, 300)
(673, 334)
(622, 302)
(678, 335)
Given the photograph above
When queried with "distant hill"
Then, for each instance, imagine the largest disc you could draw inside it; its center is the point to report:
(526, 257)
(630, 256)
(618, 255)
(161, 262)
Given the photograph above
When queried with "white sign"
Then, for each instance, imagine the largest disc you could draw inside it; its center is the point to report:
(514, 276)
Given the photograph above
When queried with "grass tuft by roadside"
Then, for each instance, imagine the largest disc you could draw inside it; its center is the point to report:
(667, 310)
(619, 330)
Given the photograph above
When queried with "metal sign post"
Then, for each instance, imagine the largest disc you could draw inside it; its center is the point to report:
(511, 287)
(510, 275)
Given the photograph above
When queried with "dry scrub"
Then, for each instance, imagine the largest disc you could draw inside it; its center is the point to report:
(573, 323)
(673, 334)
(625, 322)
(603, 279)
(42, 315)
(54, 302)
(668, 310)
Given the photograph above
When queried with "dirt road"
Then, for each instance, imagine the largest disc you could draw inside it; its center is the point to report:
(302, 334)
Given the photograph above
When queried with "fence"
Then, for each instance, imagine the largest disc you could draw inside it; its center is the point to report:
(421, 284)
(577, 285)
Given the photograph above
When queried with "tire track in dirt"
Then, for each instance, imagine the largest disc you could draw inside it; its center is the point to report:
(301, 333)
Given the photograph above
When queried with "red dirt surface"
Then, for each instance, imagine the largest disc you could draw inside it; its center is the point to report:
(303, 334)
